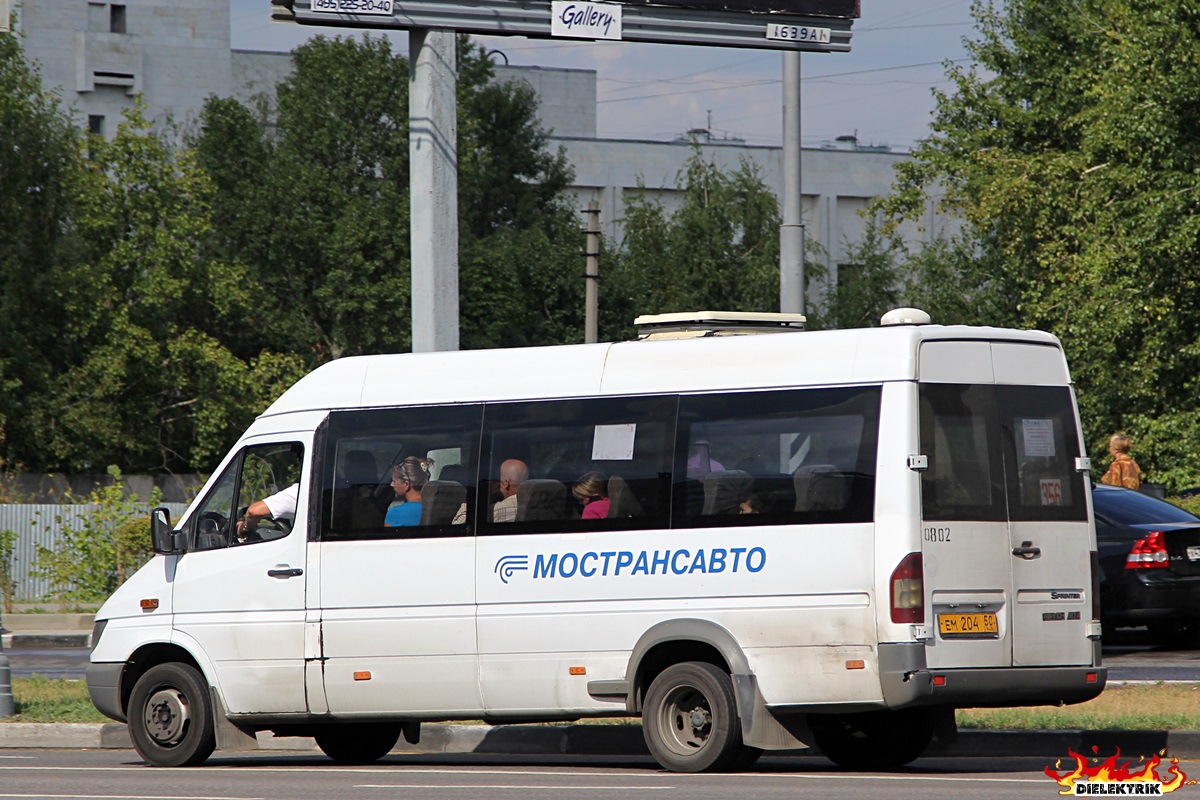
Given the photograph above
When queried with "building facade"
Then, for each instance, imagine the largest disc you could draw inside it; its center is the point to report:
(101, 55)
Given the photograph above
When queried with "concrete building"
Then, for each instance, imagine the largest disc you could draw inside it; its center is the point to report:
(100, 54)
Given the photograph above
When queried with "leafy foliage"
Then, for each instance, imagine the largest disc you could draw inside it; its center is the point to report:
(37, 158)
(1072, 152)
(98, 551)
(146, 380)
(333, 262)
(718, 250)
(869, 283)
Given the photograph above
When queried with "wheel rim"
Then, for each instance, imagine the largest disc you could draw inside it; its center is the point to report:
(686, 720)
(167, 716)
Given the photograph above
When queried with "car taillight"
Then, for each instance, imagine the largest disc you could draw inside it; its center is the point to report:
(908, 591)
(1095, 559)
(1148, 553)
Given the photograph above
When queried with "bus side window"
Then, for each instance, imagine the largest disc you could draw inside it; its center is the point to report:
(802, 456)
(594, 464)
(364, 448)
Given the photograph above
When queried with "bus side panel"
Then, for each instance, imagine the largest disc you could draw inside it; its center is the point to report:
(797, 600)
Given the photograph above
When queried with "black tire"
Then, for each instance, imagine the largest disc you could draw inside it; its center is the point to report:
(746, 758)
(690, 719)
(170, 716)
(358, 743)
(875, 740)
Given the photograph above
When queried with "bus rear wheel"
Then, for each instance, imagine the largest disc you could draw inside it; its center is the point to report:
(170, 717)
(690, 719)
(874, 740)
(358, 743)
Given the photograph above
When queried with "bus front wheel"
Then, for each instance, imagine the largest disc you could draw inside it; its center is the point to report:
(690, 718)
(170, 716)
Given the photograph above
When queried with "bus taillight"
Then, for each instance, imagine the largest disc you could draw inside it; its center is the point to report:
(907, 590)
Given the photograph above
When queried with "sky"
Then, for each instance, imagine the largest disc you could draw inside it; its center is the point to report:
(881, 91)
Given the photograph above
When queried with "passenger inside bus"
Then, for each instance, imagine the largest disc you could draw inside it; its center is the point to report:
(408, 480)
(513, 473)
(591, 492)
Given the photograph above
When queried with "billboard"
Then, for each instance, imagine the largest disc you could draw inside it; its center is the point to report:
(842, 9)
(806, 25)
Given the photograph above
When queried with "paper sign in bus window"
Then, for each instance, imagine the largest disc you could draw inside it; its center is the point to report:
(613, 442)
(1039, 437)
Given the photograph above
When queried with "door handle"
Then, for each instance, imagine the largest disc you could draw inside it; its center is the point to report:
(1027, 551)
(284, 571)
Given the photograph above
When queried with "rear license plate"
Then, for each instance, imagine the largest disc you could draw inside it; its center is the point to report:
(981, 625)
(1193, 552)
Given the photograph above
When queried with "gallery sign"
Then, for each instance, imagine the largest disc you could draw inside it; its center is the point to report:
(810, 25)
(585, 20)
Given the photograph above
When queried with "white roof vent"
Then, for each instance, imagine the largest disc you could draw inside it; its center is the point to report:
(905, 316)
(715, 323)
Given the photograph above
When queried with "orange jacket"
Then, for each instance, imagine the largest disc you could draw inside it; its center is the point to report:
(1123, 471)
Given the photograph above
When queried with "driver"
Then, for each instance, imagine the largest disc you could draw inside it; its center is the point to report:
(280, 507)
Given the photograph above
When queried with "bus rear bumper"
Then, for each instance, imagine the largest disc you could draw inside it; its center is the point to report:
(908, 682)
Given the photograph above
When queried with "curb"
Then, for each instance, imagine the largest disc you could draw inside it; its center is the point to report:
(626, 740)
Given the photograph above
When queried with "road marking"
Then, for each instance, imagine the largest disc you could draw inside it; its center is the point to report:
(128, 797)
(387, 770)
(523, 787)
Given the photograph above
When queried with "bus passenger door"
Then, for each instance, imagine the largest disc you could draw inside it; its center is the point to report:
(397, 598)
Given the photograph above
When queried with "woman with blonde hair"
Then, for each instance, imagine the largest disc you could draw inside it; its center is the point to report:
(592, 491)
(1123, 471)
(408, 479)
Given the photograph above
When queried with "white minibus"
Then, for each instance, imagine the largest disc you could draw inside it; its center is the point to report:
(752, 542)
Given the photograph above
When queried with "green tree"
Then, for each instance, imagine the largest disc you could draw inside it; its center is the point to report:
(37, 159)
(959, 283)
(1072, 153)
(719, 250)
(146, 383)
(316, 206)
(869, 282)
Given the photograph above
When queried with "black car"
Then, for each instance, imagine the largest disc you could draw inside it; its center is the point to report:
(1149, 565)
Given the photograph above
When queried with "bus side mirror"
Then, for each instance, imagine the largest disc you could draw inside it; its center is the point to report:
(164, 540)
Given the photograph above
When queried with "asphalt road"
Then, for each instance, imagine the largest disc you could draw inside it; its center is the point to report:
(64, 662)
(118, 773)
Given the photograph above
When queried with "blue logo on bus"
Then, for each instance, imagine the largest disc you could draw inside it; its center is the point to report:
(508, 565)
(613, 563)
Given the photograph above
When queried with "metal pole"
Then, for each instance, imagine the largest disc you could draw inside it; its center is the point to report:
(433, 188)
(791, 232)
(592, 301)
(7, 704)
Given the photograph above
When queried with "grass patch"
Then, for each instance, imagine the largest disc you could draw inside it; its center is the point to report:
(1153, 707)
(39, 699)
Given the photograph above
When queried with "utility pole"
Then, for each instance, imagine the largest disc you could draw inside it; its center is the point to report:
(592, 275)
(791, 232)
(433, 189)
